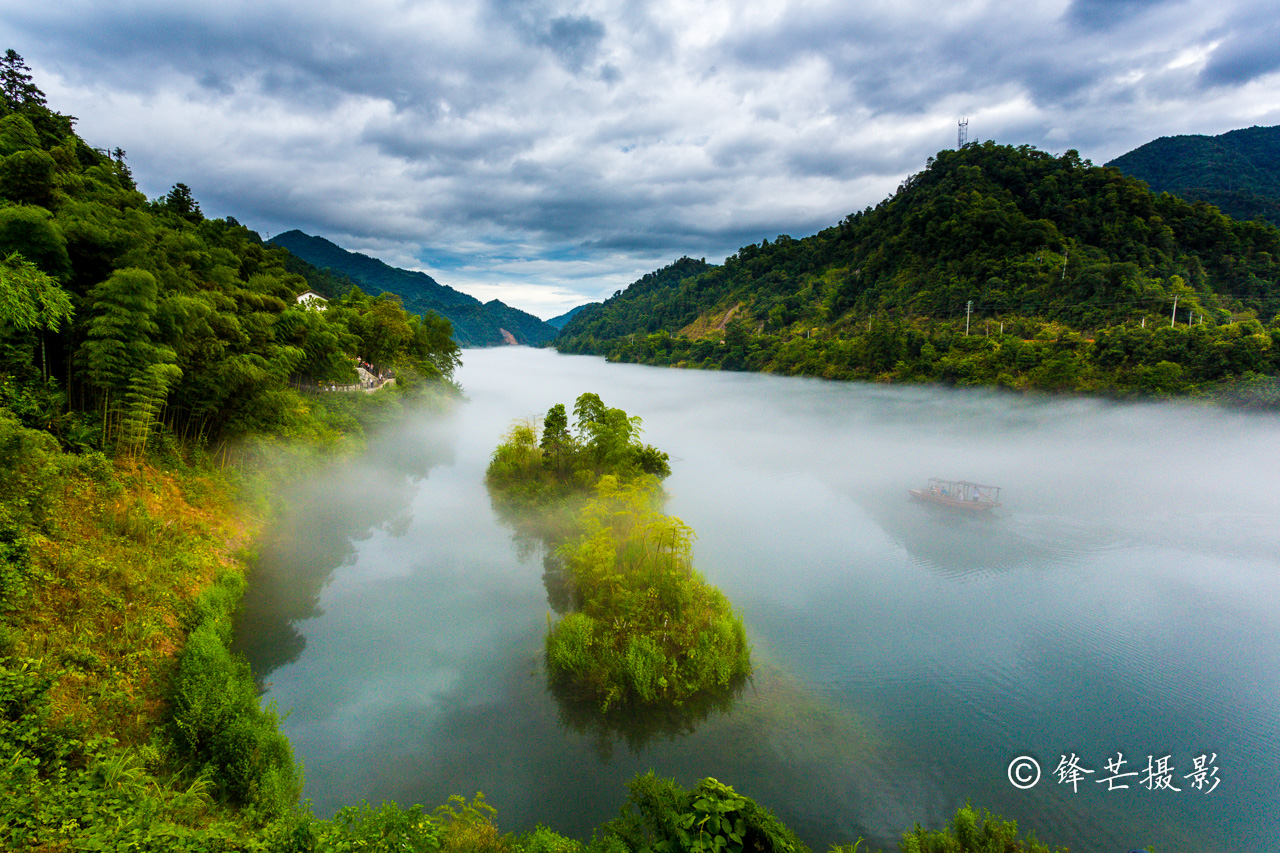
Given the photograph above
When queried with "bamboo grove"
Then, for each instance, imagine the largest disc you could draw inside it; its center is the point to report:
(122, 316)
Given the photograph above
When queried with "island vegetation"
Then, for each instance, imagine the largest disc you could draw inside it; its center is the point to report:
(644, 628)
(996, 265)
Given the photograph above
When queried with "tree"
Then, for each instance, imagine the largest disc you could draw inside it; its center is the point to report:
(179, 200)
(31, 232)
(16, 86)
(608, 433)
(27, 177)
(556, 441)
(29, 298)
(122, 360)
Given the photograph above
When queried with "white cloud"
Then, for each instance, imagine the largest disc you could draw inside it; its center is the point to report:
(573, 145)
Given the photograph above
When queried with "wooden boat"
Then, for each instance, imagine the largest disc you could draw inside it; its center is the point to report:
(960, 495)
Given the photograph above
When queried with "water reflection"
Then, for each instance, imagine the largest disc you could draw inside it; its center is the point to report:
(319, 525)
(953, 543)
(638, 727)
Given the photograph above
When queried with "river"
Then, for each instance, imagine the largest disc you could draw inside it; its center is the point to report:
(1124, 602)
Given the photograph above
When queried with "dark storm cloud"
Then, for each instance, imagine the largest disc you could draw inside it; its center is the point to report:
(574, 39)
(1106, 14)
(578, 141)
(904, 65)
(317, 56)
(1245, 55)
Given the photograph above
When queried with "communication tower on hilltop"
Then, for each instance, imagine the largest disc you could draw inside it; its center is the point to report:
(962, 135)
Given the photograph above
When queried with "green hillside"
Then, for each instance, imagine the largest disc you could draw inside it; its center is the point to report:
(475, 324)
(1066, 273)
(149, 358)
(560, 321)
(1239, 171)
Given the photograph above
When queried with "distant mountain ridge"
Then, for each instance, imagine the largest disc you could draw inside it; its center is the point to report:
(475, 323)
(1238, 171)
(559, 322)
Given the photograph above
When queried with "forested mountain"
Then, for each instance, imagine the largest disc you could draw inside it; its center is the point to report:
(560, 321)
(993, 265)
(475, 323)
(1238, 171)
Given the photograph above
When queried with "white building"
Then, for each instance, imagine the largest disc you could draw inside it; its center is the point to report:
(311, 299)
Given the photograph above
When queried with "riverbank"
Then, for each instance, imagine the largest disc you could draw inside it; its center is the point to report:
(1234, 364)
(127, 722)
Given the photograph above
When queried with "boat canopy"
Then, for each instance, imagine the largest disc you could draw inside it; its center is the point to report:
(963, 490)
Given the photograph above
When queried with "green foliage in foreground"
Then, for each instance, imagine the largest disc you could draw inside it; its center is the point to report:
(216, 722)
(971, 832)
(662, 817)
(647, 629)
(126, 723)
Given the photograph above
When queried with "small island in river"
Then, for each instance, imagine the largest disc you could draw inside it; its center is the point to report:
(643, 627)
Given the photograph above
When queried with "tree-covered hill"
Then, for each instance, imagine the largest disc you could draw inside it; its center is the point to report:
(123, 317)
(560, 321)
(1238, 171)
(1016, 245)
(475, 323)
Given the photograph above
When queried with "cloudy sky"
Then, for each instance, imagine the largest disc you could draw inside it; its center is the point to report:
(549, 152)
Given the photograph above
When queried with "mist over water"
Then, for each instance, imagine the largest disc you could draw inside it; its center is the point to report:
(1123, 599)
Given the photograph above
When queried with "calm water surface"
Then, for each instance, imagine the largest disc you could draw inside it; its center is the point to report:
(1125, 599)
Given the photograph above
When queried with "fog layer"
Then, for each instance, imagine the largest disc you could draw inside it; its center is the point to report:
(1122, 600)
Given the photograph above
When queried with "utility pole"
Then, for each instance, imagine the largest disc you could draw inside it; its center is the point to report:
(1174, 315)
(967, 308)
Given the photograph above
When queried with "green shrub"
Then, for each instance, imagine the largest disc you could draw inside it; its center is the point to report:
(972, 833)
(469, 827)
(543, 840)
(385, 829)
(663, 817)
(216, 722)
(648, 630)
